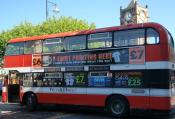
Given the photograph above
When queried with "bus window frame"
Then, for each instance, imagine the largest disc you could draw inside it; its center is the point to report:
(34, 48)
(111, 79)
(112, 34)
(130, 29)
(19, 49)
(44, 73)
(86, 42)
(76, 86)
(24, 78)
(170, 38)
(146, 29)
(62, 38)
(64, 42)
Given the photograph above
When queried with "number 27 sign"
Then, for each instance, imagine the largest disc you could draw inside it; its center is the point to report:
(137, 55)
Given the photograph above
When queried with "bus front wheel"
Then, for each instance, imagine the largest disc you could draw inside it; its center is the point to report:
(31, 102)
(118, 106)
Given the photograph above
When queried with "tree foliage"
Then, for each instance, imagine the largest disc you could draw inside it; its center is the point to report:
(50, 26)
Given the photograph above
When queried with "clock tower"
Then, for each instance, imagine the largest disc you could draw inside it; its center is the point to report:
(133, 14)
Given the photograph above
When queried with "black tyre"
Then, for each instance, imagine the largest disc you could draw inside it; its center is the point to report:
(31, 102)
(118, 106)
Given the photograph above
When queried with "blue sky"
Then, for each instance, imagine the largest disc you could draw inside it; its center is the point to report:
(103, 13)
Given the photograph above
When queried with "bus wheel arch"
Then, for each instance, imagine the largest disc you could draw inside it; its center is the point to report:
(117, 105)
(30, 100)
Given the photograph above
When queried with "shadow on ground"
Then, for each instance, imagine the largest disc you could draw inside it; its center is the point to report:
(15, 111)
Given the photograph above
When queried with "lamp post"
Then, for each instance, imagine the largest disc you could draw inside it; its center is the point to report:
(55, 10)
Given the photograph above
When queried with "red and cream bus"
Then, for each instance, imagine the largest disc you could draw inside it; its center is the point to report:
(119, 68)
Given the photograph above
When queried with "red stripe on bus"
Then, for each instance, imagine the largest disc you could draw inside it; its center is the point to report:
(136, 102)
(18, 61)
(157, 103)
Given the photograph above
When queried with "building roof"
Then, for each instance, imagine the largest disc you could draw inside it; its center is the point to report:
(132, 5)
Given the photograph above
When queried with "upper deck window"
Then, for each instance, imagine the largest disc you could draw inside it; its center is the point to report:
(100, 40)
(53, 45)
(152, 36)
(129, 37)
(75, 42)
(170, 39)
(33, 47)
(14, 49)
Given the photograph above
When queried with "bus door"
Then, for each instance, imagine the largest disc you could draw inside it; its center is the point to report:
(13, 86)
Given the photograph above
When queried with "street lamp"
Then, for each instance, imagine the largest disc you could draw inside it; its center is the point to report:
(55, 10)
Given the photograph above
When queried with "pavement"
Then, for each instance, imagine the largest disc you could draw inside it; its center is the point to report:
(16, 111)
(8, 109)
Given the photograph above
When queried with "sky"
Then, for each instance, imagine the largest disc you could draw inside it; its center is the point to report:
(104, 13)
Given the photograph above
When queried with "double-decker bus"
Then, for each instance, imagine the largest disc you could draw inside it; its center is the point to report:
(118, 68)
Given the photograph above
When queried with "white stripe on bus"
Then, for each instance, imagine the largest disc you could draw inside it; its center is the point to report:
(101, 91)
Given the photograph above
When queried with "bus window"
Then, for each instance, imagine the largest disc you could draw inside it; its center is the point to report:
(170, 39)
(129, 37)
(14, 49)
(74, 79)
(128, 79)
(100, 40)
(33, 47)
(99, 79)
(52, 79)
(37, 79)
(152, 36)
(53, 45)
(75, 42)
(28, 80)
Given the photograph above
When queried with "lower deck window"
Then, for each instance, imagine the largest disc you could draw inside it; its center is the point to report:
(28, 80)
(74, 79)
(128, 79)
(99, 79)
(116, 79)
(52, 79)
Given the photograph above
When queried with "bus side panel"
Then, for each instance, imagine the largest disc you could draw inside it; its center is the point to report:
(138, 102)
(173, 102)
(27, 61)
(154, 53)
(73, 99)
(18, 61)
(135, 102)
(142, 102)
(160, 103)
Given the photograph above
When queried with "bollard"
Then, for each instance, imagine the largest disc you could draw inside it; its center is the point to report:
(0, 114)
(4, 94)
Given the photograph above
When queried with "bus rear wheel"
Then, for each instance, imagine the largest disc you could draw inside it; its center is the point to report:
(31, 102)
(118, 106)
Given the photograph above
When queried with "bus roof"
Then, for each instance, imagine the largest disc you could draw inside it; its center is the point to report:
(66, 34)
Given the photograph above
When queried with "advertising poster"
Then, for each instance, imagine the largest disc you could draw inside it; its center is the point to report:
(137, 55)
(134, 55)
(36, 61)
(128, 79)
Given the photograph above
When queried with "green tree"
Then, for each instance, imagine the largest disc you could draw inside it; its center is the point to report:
(50, 26)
